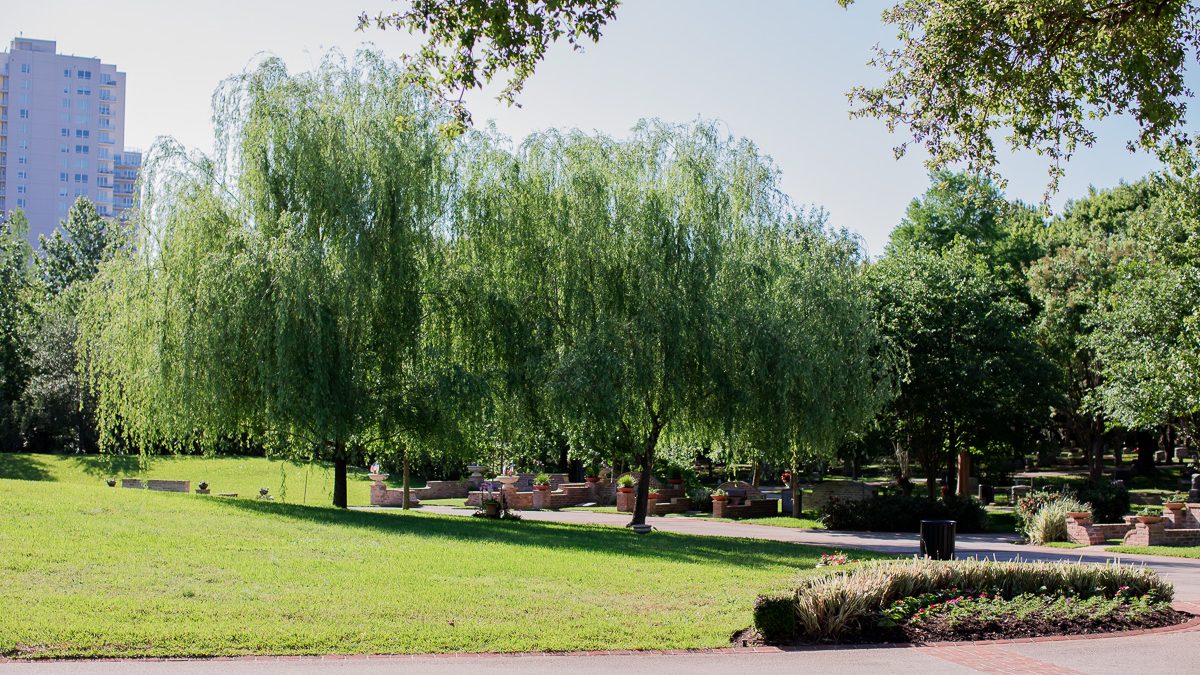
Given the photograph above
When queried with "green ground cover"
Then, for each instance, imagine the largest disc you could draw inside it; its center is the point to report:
(146, 573)
(291, 482)
(1062, 544)
(1175, 551)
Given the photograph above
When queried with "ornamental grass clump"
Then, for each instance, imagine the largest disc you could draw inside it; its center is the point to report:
(1049, 522)
(838, 606)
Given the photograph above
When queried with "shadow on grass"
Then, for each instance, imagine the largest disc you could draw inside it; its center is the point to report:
(104, 466)
(596, 539)
(22, 466)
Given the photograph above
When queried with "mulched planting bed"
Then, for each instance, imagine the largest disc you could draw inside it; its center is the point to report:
(973, 618)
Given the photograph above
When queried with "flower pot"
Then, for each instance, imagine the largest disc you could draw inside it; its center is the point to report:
(541, 487)
(491, 509)
(1149, 520)
(653, 496)
(720, 498)
(1174, 506)
(625, 490)
(1079, 515)
(592, 479)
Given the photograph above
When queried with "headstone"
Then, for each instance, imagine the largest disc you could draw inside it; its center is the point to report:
(1160, 456)
(1194, 493)
(1017, 492)
(1182, 453)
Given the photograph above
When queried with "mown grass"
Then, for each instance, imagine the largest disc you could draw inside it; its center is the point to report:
(1174, 551)
(91, 571)
(1062, 544)
(291, 482)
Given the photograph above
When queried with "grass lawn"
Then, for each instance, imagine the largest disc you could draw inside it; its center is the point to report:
(456, 502)
(93, 571)
(1000, 520)
(291, 482)
(1176, 551)
(1062, 544)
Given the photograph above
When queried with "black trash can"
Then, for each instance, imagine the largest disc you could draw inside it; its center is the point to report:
(937, 539)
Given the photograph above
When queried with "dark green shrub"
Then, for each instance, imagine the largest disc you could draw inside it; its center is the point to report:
(1109, 502)
(900, 513)
(775, 618)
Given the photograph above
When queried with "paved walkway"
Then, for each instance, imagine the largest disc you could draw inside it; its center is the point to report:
(1184, 573)
(1151, 653)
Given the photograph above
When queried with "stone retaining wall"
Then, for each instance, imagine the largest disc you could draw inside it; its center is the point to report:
(754, 508)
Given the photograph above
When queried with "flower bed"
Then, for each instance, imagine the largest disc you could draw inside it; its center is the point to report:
(926, 600)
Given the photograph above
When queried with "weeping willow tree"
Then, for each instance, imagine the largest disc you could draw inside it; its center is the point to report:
(608, 281)
(277, 294)
(806, 359)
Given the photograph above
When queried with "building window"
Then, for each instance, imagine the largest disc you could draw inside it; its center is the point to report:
(23, 144)
(66, 103)
(20, 189)
(22, 159)
(66, 72)
(22, 175)
(62, 177)
(64, 148)
(82, 133)
(83, 74)
(24, 114)
(24, 67)
(65, 132)
(20, 203)
(24, 84)
(81, 149)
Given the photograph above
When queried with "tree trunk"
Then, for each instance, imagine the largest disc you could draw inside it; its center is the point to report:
(339, 475)
(964, 474)
(404, 475)
(755, 474)
(797, 494)
(641, 507)
(1146, 445)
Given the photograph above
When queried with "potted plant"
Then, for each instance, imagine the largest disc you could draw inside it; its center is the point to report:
(491, 507)
(625, 484)
(202, 489)
(675, 476)
(1147, 516)
(112, 482)
(1176, 501)
(264, 493)
(1079, 515)
(719, 495)
(541, 481)
(592, 474)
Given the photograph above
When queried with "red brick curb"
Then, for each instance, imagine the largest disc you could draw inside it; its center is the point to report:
(1186, 607)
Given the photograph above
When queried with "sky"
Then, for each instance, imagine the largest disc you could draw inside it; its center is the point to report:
(773, 71)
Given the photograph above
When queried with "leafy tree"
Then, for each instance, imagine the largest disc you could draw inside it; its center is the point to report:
(1041, 69)
(75, 250)
(278, 289)
(958, 206)
(803, 353)
(1088, 244)
(470, 41)
(16, 296)
(971, 377)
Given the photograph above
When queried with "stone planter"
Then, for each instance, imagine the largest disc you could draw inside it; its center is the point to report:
(625, 490)
(379, 477)
(720, 498)
(541, 487)
(1080, 515)
(1174, 506)
(202, 491)
(507, 481)
(491, 509)
(592, 479)
(1149, 520)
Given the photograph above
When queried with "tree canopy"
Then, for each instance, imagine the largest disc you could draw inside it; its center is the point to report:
(276, 292)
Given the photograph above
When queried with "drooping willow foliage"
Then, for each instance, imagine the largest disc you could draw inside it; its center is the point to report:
(663, 283)
(339, 276)
(277, 289)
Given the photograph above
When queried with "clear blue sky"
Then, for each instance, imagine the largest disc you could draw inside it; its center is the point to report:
(774, 71)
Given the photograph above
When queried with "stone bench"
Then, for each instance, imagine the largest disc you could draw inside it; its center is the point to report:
(158, 485)
(752, 508)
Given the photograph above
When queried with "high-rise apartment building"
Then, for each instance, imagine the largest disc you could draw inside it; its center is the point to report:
(62, 134)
